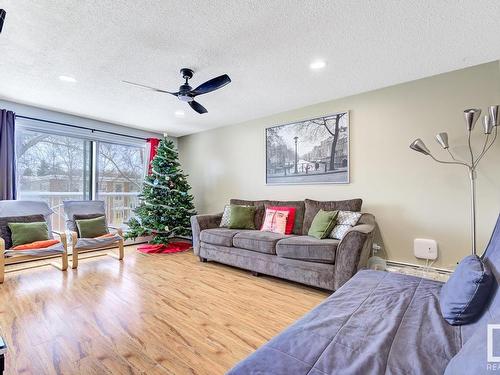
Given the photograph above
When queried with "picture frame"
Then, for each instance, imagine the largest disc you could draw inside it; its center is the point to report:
(310, 151)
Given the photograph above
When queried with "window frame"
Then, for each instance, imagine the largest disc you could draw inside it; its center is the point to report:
(93, 139)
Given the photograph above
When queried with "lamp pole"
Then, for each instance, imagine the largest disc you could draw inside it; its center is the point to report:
(490, 125)
(296, 155)
(472, 175)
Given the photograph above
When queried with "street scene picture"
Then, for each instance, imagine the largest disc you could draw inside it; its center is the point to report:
(310, 151)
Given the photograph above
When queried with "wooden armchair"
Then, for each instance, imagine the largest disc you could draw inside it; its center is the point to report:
(16, 210)
(75, 210)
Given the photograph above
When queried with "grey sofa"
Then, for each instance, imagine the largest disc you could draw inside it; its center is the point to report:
(384, 323)
(326, 263)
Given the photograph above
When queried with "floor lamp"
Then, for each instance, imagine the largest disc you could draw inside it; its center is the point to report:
(490, 125)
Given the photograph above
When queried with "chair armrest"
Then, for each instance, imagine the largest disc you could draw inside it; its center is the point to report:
(62, 236)
(74, 238)
(353, 250)
(119, 230)
(201, 222)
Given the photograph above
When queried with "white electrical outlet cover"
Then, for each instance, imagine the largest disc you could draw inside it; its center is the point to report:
(425, 248)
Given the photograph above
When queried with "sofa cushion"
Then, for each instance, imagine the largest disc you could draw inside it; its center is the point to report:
(262, 242)
(323, 223)
(218, 236)
(308, 248)
(312, 207)
(259, 212)
(299, 212)
(464, 296)
(242, 217)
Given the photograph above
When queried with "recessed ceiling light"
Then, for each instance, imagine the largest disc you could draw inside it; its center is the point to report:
(317, 64)
(179, 113)
(67, 79)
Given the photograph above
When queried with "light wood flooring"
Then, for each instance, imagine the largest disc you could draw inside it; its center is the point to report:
(150, 314)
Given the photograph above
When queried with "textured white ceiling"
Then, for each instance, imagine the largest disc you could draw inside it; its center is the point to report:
(265, 47)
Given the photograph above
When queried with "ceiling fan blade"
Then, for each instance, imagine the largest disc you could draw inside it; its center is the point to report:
(149, 87)
(211, 85)
(197, 107)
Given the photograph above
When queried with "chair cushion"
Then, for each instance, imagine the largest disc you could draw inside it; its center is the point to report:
(92, 228)
(72, 208)
(5, 232)
(308, 248)
(23, 233)
(255, 240)
(57, 248)
(84, 217)
(16, 208)
(312, 207)
(219, 236)
(95, 243)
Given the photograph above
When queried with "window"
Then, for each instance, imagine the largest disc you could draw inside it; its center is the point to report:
(52, 168)
(120, 172)
(56, 167)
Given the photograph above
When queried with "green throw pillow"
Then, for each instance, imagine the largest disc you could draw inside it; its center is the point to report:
(242, 217)
(322, 224)
(23, 233)
(91, 228)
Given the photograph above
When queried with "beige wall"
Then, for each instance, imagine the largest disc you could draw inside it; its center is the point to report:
(410, 195)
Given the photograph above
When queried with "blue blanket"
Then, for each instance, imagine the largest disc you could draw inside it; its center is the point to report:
(377, 323)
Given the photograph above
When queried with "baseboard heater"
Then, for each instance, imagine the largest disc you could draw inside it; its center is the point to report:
(419, 267)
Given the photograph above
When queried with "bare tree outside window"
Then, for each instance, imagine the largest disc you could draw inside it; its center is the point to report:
(56, 168)
(120, 172)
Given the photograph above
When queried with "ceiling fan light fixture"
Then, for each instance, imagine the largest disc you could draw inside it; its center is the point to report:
(185, 98)
(186, 93)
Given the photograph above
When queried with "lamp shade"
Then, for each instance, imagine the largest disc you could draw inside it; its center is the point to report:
(419, 146)
(442, 139)
(471, 117)
(494, 115)
(487, 124)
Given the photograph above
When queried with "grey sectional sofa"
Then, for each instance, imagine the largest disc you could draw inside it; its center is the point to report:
(326, 263)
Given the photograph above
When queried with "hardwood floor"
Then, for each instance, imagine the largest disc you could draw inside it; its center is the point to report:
(150, 314)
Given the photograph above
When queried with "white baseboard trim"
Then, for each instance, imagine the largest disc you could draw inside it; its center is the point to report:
(418, 266)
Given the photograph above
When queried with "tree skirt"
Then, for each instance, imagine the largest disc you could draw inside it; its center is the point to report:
(172, 247)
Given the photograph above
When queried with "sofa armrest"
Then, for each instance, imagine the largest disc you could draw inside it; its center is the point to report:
(201, 222)
(354, 250)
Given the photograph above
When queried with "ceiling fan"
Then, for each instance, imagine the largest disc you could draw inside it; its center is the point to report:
(186, 92)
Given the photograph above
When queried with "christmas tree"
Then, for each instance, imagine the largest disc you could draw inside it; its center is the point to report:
(166, 205)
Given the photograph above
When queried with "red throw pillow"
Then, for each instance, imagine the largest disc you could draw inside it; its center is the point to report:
(36, 245)
(290, 221)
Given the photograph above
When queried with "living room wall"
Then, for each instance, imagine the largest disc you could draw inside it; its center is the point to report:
(410, 195)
